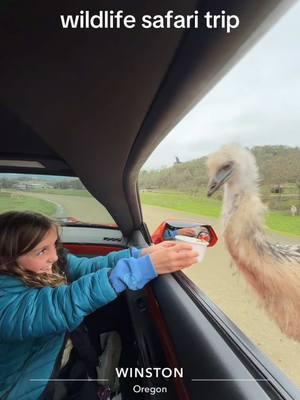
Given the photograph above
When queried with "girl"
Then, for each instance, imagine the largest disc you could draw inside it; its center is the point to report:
(45, 294)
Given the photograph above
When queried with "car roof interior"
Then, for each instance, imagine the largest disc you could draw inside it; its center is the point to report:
(95, 103)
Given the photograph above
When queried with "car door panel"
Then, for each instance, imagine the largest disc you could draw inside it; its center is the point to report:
(214, 365)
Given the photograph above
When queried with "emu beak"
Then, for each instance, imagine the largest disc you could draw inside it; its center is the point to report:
(220, 178)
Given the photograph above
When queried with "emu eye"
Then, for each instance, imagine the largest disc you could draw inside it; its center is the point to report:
(227, 166)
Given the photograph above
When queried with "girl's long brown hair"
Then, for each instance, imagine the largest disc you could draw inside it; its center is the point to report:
(20, 232)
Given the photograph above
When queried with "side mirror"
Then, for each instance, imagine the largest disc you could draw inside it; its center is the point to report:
(168, 229)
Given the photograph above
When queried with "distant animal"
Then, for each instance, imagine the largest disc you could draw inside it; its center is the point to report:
(293, 210)
(177, 161)
(273, 270)
(277, 189)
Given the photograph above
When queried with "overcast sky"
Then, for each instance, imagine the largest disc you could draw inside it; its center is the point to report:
(256, 103)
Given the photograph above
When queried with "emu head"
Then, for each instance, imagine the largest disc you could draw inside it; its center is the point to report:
(232, 165)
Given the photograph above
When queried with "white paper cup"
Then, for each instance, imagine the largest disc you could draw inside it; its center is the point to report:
(200, 246)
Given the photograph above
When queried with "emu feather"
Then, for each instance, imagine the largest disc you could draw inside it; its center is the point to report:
(273, 270)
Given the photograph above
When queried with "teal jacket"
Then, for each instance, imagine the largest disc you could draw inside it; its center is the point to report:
(34, 322)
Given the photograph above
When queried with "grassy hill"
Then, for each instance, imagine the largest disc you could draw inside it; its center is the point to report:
(278, 166)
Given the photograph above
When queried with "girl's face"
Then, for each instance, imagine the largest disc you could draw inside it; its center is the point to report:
(41, 258)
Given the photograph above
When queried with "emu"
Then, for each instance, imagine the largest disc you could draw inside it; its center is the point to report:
(273, 270)
(293, 210)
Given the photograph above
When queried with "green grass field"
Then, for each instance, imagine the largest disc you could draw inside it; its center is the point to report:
(283, 223)
(18, 202)
(275, 221)
(64, 192)
(200, 205)
(182, 202)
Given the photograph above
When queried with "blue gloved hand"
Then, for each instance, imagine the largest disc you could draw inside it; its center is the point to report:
(136, 253)
(132, 273)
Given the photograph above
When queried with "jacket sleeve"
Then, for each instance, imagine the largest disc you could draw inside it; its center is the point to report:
(80, 266)
(28, 312)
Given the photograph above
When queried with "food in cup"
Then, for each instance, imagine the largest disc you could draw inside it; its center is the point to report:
(198, 245)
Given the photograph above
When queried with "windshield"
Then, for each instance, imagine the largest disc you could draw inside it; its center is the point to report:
(59, 197)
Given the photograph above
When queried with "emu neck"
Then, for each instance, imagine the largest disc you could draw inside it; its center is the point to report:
(243, 223)
(274, 277)
(242, 207)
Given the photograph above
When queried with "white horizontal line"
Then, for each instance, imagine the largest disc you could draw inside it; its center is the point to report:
(66, 380)
(231, 380)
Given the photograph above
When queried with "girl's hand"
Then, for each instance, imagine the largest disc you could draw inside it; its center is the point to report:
(166, 259)
(157, 247)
